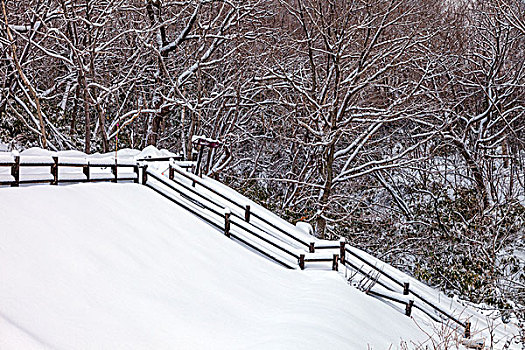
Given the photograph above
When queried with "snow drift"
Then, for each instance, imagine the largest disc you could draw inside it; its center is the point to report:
(91, 266)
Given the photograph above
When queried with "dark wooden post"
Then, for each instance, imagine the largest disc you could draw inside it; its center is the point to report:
(342, 253)
(172, 172)
(227, 224)
(144, 174)
(15, 172)
(247, 213)
(54, 171)
(301, 261)
(311, 247)
(115, 171)
(406, 288)
(334, 262)
(408, 310)
(86, 171)
(198, 171)
(136, 170)
(467, 329)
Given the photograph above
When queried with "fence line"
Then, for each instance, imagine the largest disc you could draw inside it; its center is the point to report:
(54, 178)
(55, 163)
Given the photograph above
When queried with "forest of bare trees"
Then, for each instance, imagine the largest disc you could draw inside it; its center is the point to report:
(398, 124)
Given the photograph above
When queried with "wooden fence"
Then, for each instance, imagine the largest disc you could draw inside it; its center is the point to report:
(52, 174)
(244, 223)
(407, 298)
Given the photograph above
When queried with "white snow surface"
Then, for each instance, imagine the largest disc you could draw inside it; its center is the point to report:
(91, 266)
(116, 266)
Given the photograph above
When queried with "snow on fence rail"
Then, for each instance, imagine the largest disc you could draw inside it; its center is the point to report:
(406, 291)
(196, 180)
(208, 219)
(44, 169)
(219, 213)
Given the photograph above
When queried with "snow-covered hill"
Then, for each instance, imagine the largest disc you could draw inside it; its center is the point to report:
(117, 266)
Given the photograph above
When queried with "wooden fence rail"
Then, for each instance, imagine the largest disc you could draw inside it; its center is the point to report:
(232, 219)
(53, 176)
(302, 259)
(407, 289)
(196, 180)
(213, 223)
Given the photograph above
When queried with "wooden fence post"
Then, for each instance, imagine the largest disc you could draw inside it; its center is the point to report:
(171, 172)
(54, 171)
(334, 262)
(311, 247)
(86, 171)
(227, 223)
(342, 253)
(15, 172)
(114, 171)
(144, 174)
(301, 261)
(406, 288)
(136, 170)
(247, 213)
(408, 310)
(467, 329)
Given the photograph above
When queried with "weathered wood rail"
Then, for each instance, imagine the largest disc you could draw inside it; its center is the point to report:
(51, 170)
(245, 222)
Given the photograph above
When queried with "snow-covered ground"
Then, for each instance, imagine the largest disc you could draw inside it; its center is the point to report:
(117, 266)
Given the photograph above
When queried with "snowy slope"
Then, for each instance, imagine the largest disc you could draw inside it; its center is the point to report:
(116, 266)
(487, 326)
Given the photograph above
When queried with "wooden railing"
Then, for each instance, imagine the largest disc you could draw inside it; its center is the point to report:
(248, 213)
(215, 218)
(344, 252)
(243, 223)
(52, 175)
(219, 218)
(405, 287)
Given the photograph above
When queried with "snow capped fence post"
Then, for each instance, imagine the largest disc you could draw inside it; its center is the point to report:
(54, 171)
(408, 310)
(342, 243)
(171, 172)
(334, 262)
(247, 213)
(114, 171)
(467, 329)
(15, 172)
(144, 174)
(85, 170)
(227, 214)
(406, 288)
(301, 261)
(136, 170)
(311, 247)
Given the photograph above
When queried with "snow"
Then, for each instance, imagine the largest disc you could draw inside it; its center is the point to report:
(153, 152)
(117, 266)
(65, 160)
(6, 158)
(6, 178)
(43, 160)
(305, 227)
